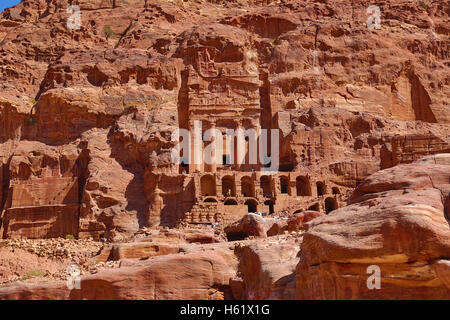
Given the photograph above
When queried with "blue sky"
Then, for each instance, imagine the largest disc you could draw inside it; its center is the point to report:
(7, 3)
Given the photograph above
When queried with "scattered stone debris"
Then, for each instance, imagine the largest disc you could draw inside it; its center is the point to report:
(56, 248)
(42, 260)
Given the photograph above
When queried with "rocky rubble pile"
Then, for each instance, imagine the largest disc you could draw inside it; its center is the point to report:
(55, 248)
(34, 260)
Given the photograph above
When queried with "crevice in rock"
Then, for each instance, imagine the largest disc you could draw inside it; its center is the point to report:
(5, 188)
(447, 209)
(265, 103)
(124, 34)
(82, 174)
(183, 99)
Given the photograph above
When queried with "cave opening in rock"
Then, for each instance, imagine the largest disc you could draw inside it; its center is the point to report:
(320, 188)
(330, 205)
(228, 186)
(303, 187)
(251, 205)
(266, 186)
(284, 184)
(208, 185)
(247, 187)
(270, 204)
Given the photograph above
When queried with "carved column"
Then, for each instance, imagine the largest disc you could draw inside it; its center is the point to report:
(240, 147)
(213, 149)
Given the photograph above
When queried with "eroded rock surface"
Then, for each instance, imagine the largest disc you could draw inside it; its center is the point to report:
(86, 123)
(397, 220)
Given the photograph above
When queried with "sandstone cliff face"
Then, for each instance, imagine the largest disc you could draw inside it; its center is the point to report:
(86, 118)
(397, 221)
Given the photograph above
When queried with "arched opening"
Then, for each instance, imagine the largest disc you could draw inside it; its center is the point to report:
(314, 207)
(303, 186)
(208, 185)
(247, 187)
(330, 205)
(320, 188)
(251, 205)
(270, 204)
(228, 186)
(230, 202)
(284, 184)
(266, 186)
(210, 200)
(335, 190)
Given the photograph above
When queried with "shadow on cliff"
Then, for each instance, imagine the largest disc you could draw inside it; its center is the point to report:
(447, 209)
(135, 190)
(137, 200)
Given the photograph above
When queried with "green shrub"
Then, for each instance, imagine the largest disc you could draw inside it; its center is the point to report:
(70, 237)
(423, 5)
(107, 32)
(35, 273)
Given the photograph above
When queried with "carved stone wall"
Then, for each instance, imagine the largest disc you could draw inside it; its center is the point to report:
(42, 208)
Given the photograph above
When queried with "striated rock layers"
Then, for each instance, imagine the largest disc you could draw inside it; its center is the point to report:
(87, 115)
(87, 123)
(398, 219)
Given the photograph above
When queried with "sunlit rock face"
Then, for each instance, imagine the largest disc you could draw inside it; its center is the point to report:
(92, 93)
(397, 221)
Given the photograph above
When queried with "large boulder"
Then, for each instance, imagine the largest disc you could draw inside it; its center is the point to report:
(250, 225)
(397, 221)
(278, 227)
(268, 271)
(299, 220)
(198, 274)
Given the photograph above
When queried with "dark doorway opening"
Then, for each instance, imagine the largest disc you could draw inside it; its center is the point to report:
(251, 205)
(330, 205)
